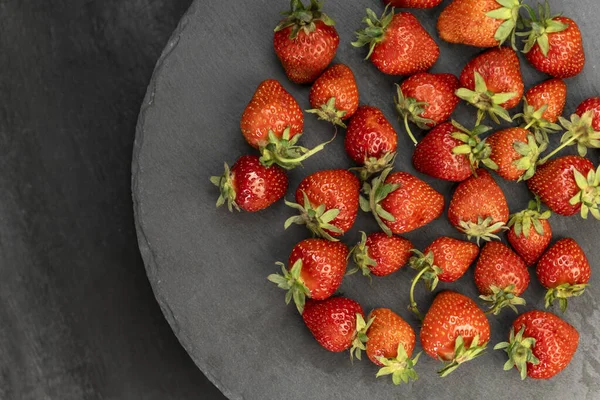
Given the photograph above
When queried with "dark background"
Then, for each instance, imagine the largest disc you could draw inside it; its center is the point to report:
(78, 319)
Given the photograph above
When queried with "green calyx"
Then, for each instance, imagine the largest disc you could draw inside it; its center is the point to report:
(580, 131)
(284, 151)
(484, 229)
(562, 293)
(524, 220)
(486, 101)
(428, 273)
(477, 150)
(500, 298)
(409, 109)
(462, 354)
(328, 112)
(360, 255)
(225, 185)
(317, 220)
(534, 120)
(589, 193)
(374, 33)
(376, 191)
(400, 368)
(540, 26)
(509, 14)
(520, 352)
(372, 165)
(300, 17)
(360, 338)
(530, 153)
(291, 281)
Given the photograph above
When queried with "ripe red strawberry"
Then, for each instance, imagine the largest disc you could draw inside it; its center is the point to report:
(478, 207)
(481, 23)
(337, 323)
(445, 259)
(412, 3)
(544, 103)
(591, 104)
(391, 341)
(542, 347)
(249, 185)
(426, 100)
(305, 41)
(515, 151)
(327, 201)
(492, 83)
(564, 270)
(398, 44)
(371, 141)
(401, 202)
(316, 270)
(452, 152)
(334, 96)
(454, 330)
(380, 254)
(554, 45)
(562, 184)
(501, 277)
(530, 232)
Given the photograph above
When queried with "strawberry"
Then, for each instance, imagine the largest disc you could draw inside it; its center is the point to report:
(544, 103)
(412, 3)
(334, 96)
(501, 277)
(371, 141)
(530, 232)
(568, 185)
(398, 44)
(542, 347)
(481, 23)
(591, 104)
(553, 45)
(426, 100)
(337, 323)
(452, 152)
(454, 330)
(401, 202)
(328, 203)
(249, 185)
(391, 341)
(564, 270)
(515, 151)
(445, 259)
(380, 254)
(492, 83)
(316, 270)
(305, 41)
(478, 207)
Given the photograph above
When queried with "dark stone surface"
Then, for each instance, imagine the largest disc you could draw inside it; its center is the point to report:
(209, 267)
(78, 319)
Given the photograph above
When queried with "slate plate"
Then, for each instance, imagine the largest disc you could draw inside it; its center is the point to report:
(208, 267)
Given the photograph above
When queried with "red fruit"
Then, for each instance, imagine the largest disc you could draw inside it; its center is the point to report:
(401, 202)
(391, 341)
(249, 185)
(564, 270)
(492, 82)
(426, 100)
(328, 202)
(334, 96)
(380, 254)
(544, 103)
(591, 104)
(478, 207)
(412, 3)
(555, 184)
(334, 322)
(501, 277)
(481, 23)
(543, 345)
(454, 330)
(530, 232)
(316, 270)
(402, 46)
(371, 140)
(305, 42)
(554, 45)
(515, 152)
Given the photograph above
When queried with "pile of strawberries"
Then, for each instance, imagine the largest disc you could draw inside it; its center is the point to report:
(454, 329)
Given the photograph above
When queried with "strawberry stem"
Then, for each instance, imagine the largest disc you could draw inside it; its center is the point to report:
(413, 304)
(559, 148)
(410, 134)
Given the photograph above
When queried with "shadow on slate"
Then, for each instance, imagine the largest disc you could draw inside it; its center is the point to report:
(78, 319)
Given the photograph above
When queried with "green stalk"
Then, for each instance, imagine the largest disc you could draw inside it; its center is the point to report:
(408, 129)
(559, 148)
(413, 303)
